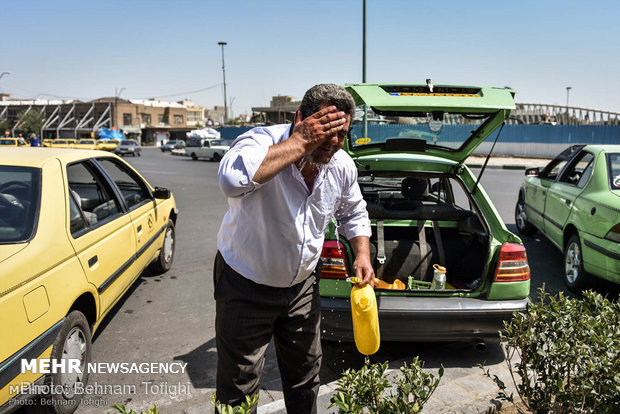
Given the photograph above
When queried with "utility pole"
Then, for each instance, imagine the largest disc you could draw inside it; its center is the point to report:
(224, 75)
(117, 93)
(365, 116)
(568, 88)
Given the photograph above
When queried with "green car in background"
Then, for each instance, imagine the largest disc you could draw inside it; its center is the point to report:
(575, 202)
(427, 208)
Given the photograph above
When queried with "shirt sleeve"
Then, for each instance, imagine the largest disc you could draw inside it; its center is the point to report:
(351, 212)
(240, 163)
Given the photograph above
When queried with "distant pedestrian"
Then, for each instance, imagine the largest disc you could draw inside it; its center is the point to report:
(284, 183)
(34, 140)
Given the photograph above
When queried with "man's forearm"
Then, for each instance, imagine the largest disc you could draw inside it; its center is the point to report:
(361, 246)
(278, 157)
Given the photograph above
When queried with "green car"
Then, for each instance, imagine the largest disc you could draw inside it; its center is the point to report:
(426, 209)
(575, 202)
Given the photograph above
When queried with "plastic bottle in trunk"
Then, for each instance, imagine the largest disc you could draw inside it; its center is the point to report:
(365, 319)
(439, 277)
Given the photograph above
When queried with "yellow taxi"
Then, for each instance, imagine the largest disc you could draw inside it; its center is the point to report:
(77, 228)
(47, 143)
(61, 143)
(107, 144)
(89, 144)
(12, 142)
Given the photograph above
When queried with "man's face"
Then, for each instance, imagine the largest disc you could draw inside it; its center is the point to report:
(324, 153)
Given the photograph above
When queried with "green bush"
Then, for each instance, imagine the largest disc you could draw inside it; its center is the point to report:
(124, 410)
(568, 355)
(365, 390)
(244, 408)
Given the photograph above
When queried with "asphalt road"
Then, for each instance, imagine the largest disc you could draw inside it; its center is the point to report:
(170, 318)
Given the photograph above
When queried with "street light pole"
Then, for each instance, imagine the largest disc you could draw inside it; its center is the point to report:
(365, 116)
(224, 75)
(568, 88)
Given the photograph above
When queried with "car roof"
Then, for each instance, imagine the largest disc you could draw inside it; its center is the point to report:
(37, 157)
(606, 148)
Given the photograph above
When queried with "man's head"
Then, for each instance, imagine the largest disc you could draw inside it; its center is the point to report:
(320, 96)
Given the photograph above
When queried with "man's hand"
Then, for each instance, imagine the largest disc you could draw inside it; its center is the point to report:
(362, 267)
(318, 127)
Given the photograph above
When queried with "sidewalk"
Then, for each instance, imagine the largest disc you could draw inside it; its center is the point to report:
(506, 162)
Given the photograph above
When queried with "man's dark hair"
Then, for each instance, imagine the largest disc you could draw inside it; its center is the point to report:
(327, 94)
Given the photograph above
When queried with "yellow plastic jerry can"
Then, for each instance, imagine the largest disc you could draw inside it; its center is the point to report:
(365, 319)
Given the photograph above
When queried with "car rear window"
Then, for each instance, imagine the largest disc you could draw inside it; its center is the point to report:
(613, 168)
(20, 189)
(440, 129)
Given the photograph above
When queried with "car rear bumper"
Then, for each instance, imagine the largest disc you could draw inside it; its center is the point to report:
(416, 319)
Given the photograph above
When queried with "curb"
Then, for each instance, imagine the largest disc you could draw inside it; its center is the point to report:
(498, 167)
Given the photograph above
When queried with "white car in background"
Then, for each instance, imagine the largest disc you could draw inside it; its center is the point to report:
(212, 149)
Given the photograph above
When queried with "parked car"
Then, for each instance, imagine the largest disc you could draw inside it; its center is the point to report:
(170, 145)
(212, 149)
(77, 228)
(575, 202)
(62, 143)
(107, 144)
(89, 144)
(426, 207)
(12, 142)
(128, 146)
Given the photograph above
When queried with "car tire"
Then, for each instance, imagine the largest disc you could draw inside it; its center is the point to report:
(575, 276)
(139, 154)
(217, 157)
(523, 225)
(73, 342)
(194, 156)
(166, 254)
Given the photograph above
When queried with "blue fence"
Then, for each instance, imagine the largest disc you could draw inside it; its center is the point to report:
(518, 140)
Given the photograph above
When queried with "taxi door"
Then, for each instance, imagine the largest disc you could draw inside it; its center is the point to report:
(101, 232)
(562, 195)
(147, 225)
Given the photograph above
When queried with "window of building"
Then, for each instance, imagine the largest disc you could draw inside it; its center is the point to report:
(178, 119)
(126, 119)
(162, 119)
(146, 118)
(193, 116)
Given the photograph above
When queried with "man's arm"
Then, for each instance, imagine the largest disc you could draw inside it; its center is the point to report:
(362, 267)
(308, 134)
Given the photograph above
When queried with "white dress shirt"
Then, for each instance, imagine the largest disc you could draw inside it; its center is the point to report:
(273, 232)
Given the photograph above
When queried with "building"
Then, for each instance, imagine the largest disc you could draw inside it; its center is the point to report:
(281, 110)
(150, 121)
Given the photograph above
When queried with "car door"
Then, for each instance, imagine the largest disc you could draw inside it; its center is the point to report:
(102, 233)
(140, 203)
(562, 194)
(205, 150)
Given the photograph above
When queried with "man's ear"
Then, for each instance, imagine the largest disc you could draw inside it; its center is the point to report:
(298, 117)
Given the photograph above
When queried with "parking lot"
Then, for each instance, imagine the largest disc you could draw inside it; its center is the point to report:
(170, 318)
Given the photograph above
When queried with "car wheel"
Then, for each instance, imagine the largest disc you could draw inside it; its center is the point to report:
(217, 157)
(139, 154)
(164, 261)
(73, 342)
(194, 157)
(523, 225)
(575, 276)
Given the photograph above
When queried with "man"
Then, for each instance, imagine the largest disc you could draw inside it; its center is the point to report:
(284, 184)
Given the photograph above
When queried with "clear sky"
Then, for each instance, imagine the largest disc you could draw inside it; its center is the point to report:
(87, 49)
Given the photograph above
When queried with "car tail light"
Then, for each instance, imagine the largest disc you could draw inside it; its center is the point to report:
(512, 266)
(614, 234)
(334, 260)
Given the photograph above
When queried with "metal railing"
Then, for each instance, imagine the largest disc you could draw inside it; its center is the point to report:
(538, 114)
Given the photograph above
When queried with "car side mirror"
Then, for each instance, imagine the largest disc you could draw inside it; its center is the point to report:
(532, 172)
(162, 193)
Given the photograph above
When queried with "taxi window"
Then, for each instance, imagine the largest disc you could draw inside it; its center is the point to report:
(613, 163)
(133, 189)
(20, 189)
(92, 194)
(579, 172)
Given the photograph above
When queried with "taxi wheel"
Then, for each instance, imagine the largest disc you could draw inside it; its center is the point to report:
(72, 343)
(164, 261)
(575, 276)
(523, 225)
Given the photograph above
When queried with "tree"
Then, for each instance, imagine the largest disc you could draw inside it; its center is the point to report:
(4, 125)
(30, 122)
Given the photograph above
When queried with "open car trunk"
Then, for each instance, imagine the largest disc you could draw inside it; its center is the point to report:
(419, 220)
